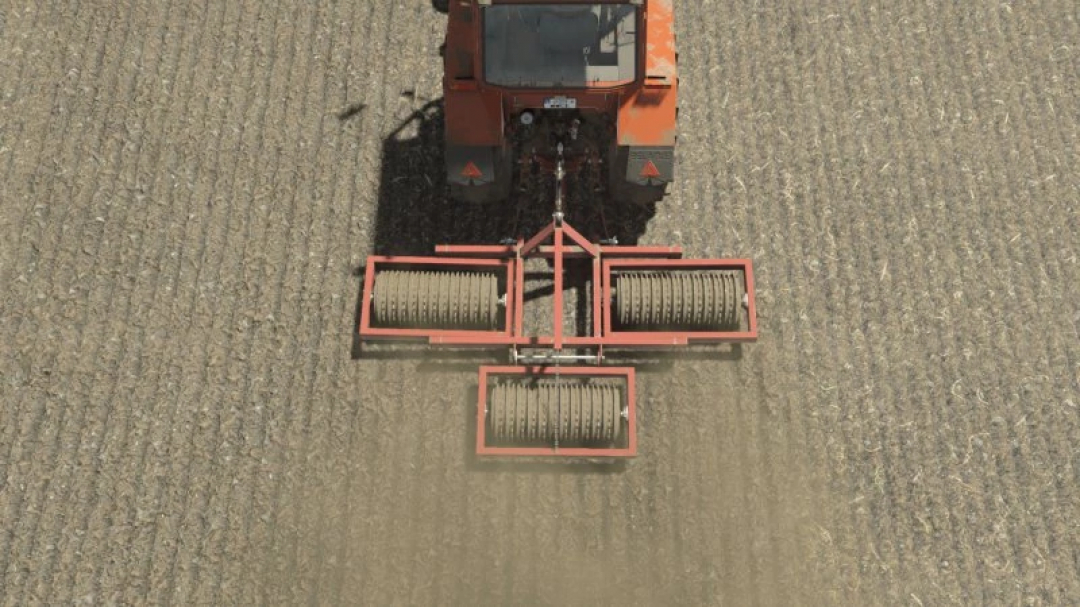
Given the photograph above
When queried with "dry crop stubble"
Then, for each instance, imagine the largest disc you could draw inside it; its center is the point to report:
(185, 196)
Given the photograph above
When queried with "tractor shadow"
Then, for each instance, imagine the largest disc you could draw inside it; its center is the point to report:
(415, 212)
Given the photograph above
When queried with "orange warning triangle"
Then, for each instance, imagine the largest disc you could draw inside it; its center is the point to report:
(650, 170)
(471, 171)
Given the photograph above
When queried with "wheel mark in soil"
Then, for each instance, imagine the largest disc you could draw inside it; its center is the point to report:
(1006, 169)
(830, 174)
(275, 379)
(21, 93)
(927, 489)
(241, 450)
(29, 536)
(309, 399)
(920, 502)
(698, 116)
(776, 456)
(377, 84)
(1015, 173)
(953, 499)
(810, 458)
(210, 501)
(748, 579)
(198, 63)
(16, 327)
(346, 504)
(895, 494)
(687, 453)
(301, 237)
(880, 481)
(45, 572)
(963, 411)
(1061, 444)
(281, 282)
(247, 512)
(173, 284)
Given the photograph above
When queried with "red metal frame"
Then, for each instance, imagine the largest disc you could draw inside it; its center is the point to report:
(566, 242)
(629, 450)
(375, 263)
(643, 338)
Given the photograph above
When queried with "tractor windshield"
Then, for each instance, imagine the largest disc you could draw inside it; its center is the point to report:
(560, 45)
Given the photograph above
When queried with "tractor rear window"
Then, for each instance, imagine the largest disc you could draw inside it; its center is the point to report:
(553, 45)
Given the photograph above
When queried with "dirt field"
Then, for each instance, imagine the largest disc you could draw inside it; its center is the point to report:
(189, 187)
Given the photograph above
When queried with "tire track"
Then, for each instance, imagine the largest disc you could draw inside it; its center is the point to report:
(1027, 159)
(279, 313)
(42, 430)
(17, 326)
(45, 579)
(144, 510)
(725, 543)
(895, 462)
(22, 81)
(205, 59)
(368, 407)
(298, 240)
(345, 502)
(245, 512)
(849, 521)
(201, 513)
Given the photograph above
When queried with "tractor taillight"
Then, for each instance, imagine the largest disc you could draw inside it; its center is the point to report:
(473, 172)
(649, 171)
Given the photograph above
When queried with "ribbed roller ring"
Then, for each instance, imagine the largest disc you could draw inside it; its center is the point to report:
(534, 413)
(436, 300)
(692, 301)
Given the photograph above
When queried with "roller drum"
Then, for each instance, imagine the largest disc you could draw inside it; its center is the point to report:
(690, 301)
(538, 413)
(436, 300)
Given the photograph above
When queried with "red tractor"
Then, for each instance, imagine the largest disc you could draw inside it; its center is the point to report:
(596, 77)
(570, 100)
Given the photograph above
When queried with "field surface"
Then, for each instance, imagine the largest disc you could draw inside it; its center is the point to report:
(188, 188)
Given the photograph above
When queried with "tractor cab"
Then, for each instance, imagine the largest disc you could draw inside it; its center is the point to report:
(559, 46)
(593, 81)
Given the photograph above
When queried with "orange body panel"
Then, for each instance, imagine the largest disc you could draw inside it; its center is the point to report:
(475, 111)
(473, 114)
(647, 114)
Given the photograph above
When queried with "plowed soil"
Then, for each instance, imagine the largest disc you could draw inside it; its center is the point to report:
(188, 189)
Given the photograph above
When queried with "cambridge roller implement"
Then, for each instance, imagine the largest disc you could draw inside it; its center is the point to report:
(560, 98)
